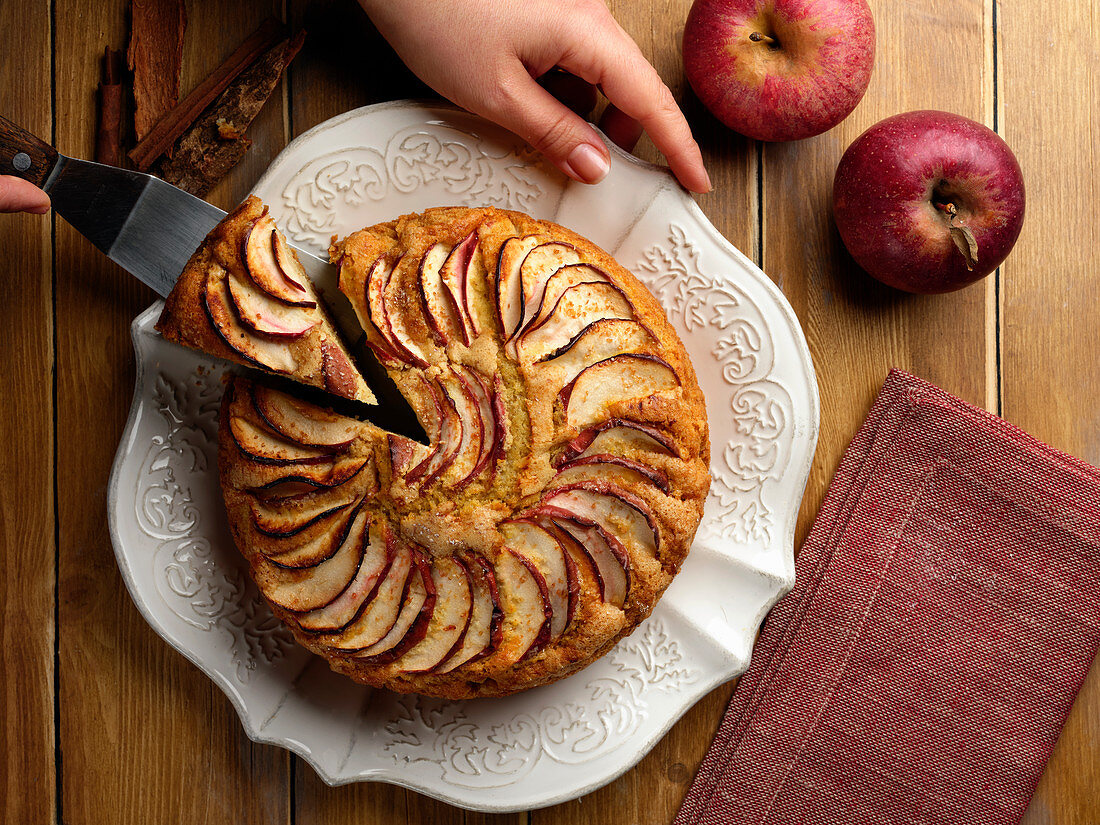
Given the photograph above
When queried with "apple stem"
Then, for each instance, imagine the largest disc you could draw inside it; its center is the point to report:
(759, 37)
(964, 239)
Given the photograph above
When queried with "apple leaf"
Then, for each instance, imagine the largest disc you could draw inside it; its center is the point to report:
(967, 245)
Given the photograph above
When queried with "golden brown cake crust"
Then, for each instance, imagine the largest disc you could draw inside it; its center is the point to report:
(599, 449)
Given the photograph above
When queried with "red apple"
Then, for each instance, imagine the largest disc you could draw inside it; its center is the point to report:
(928, 201)
(779, 69)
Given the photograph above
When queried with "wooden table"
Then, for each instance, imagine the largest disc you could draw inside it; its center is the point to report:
(102, 722)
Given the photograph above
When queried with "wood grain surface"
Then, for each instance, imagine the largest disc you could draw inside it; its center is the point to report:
(103, 722)
(27, 711)
(1050, 287)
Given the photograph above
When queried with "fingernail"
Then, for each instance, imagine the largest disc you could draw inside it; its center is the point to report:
(709, 187)
(588, 163)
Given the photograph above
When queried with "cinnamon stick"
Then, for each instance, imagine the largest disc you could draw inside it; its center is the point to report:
(177, 121)
(108, 137)
(217, 141)
(155, 58)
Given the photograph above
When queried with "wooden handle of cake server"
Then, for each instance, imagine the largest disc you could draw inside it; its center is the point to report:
(23, 155)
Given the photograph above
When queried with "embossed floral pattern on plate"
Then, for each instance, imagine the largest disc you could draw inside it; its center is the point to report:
(562, 740)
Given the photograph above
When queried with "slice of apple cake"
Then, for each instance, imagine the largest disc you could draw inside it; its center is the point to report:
(244, 297)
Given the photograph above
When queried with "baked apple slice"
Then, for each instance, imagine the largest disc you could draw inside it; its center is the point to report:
(456, 277)
(411, 460)
(338, 373)
(312, 546)
(605, 553)
(618, 436)
(527, 611)
(272, 265)
(485, 627)
(478, 388)
(260, 444)
(465, 462)
(451, 434)
(263, 352)
(609, 469)
(266, 315)
(562, 280)
(544, 551)
(289, 265)
(302, 422)
(597, 342)
(440, 301)
(587, 397)
(617, 510)
(381, 611)
(395, 303)
(509, 284)
(287, 517)
(411, 626)
(375, 324)
(542, 262)
(281, 481)
(453, 606)
(612, 469)
(343, 610)
(307, 589)
(372, 317)
(577, 308)
(405, 454)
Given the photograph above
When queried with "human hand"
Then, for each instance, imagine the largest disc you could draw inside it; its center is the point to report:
(485, 56)
(18, 195)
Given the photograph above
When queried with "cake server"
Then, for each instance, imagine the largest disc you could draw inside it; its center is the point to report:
(151, 228)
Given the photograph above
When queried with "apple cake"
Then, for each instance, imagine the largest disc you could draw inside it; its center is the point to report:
(560, 492)
(245, 297)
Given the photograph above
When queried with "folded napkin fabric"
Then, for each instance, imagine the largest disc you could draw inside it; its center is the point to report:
(946, 612)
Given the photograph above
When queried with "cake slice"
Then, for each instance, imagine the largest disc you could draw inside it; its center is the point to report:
(245, 297)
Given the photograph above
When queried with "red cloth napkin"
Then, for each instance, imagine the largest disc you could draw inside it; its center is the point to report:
(946, 612)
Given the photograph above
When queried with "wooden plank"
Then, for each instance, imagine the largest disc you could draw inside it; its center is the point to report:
(857, 328)
(344, 64)
(146, 737)
(1051, 376)
(27, 764)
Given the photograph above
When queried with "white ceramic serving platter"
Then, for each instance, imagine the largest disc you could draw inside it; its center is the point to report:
(552, 743)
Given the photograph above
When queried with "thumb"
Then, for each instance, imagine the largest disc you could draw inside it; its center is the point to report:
(18, 195)
(526, 108)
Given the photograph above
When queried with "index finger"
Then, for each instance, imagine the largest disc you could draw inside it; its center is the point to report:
(628, 80)
(18, 195)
